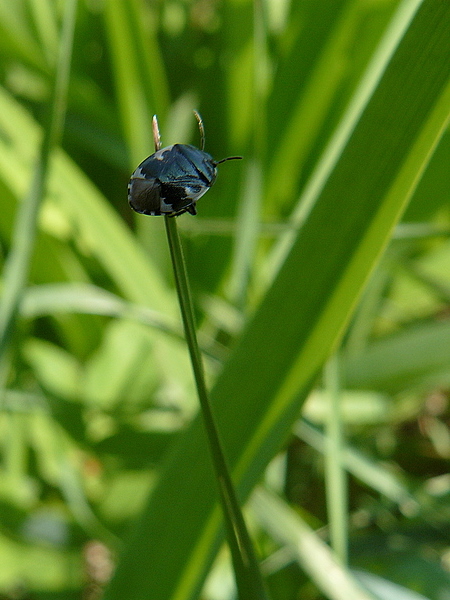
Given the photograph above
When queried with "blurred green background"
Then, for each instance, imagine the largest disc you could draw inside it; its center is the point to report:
(305, 250)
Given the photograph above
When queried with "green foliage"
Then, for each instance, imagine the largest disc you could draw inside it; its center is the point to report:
(330, 238)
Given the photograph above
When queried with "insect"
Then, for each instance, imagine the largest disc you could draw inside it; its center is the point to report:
(170, 181)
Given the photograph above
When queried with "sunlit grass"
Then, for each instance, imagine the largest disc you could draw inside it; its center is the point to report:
(339, 110)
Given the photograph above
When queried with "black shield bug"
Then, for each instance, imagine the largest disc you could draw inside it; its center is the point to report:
(170, 181)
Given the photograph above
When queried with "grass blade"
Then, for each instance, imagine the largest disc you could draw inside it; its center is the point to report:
(335, 475)
(140, 79)
(248, 576)
(313, 555)
(304, 313)
(16, 268)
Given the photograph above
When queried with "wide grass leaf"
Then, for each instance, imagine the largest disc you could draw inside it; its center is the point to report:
(301, 318)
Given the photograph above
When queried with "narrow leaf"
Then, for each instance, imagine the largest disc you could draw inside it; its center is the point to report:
(303, 315)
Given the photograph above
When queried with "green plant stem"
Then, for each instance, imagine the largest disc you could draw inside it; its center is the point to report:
(24, 234)
(248, 576)
(336, 476)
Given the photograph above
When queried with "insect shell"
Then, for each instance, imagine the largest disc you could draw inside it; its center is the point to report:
(170, 181)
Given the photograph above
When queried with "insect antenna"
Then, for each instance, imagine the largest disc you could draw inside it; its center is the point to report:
(201, 128)
(156, 134)
(217, 162)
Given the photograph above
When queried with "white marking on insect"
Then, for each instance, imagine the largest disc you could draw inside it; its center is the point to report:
(159, 155)
(165, 207)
